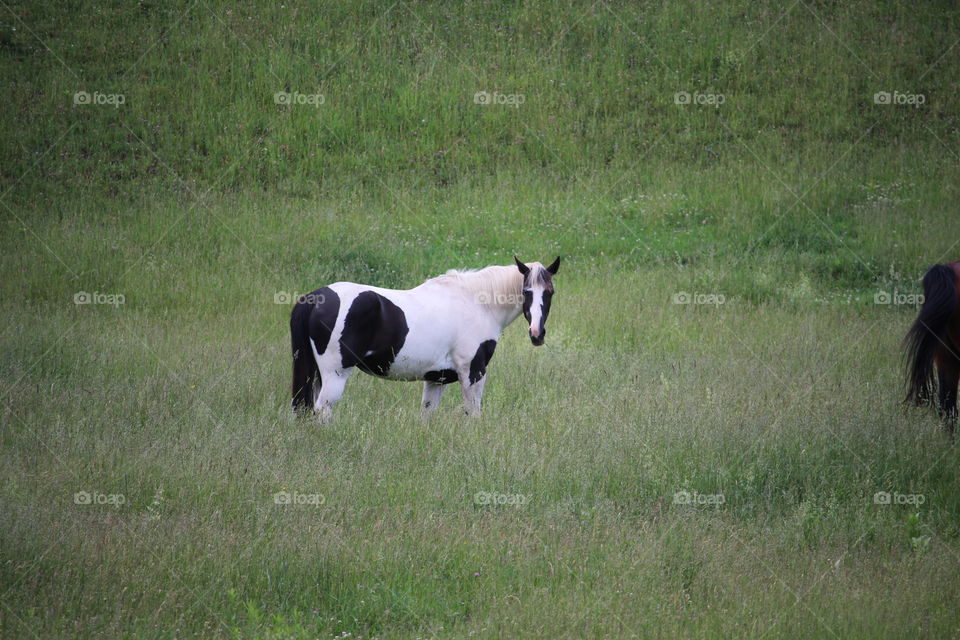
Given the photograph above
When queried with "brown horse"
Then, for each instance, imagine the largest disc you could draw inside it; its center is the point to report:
(934, 341)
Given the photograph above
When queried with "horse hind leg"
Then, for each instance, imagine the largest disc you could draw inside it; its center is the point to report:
(332, 384)
(306, 381)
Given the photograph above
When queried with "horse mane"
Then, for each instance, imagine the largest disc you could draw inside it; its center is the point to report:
(497, 281)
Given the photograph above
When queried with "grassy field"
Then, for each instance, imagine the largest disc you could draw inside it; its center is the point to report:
(711, 444)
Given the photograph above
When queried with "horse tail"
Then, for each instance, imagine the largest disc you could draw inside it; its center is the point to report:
(306, 374)
(929, 332)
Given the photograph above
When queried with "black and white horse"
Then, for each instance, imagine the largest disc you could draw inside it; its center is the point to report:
(441, 332)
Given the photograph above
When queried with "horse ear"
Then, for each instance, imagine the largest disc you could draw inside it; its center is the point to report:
(552, 269)
(524, 269)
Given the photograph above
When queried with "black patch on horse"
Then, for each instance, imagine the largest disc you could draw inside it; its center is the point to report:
(326, 307)
(313, 317)
(478, 366)
(373, 333)
(444, 376)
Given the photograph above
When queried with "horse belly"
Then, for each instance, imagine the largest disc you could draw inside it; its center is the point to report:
(427, 348)
(410, 366)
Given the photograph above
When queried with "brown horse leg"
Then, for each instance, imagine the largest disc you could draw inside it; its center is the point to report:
(949, 369)
(948, 376)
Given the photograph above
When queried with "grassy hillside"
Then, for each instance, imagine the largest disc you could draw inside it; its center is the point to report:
(589, 132)
(192, 166)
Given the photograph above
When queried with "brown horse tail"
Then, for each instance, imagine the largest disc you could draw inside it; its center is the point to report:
(929, 332)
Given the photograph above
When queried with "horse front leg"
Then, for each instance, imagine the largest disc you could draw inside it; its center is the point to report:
(473, 375)
(472, 394)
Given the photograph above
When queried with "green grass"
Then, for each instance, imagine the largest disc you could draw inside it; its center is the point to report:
(199, 200)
